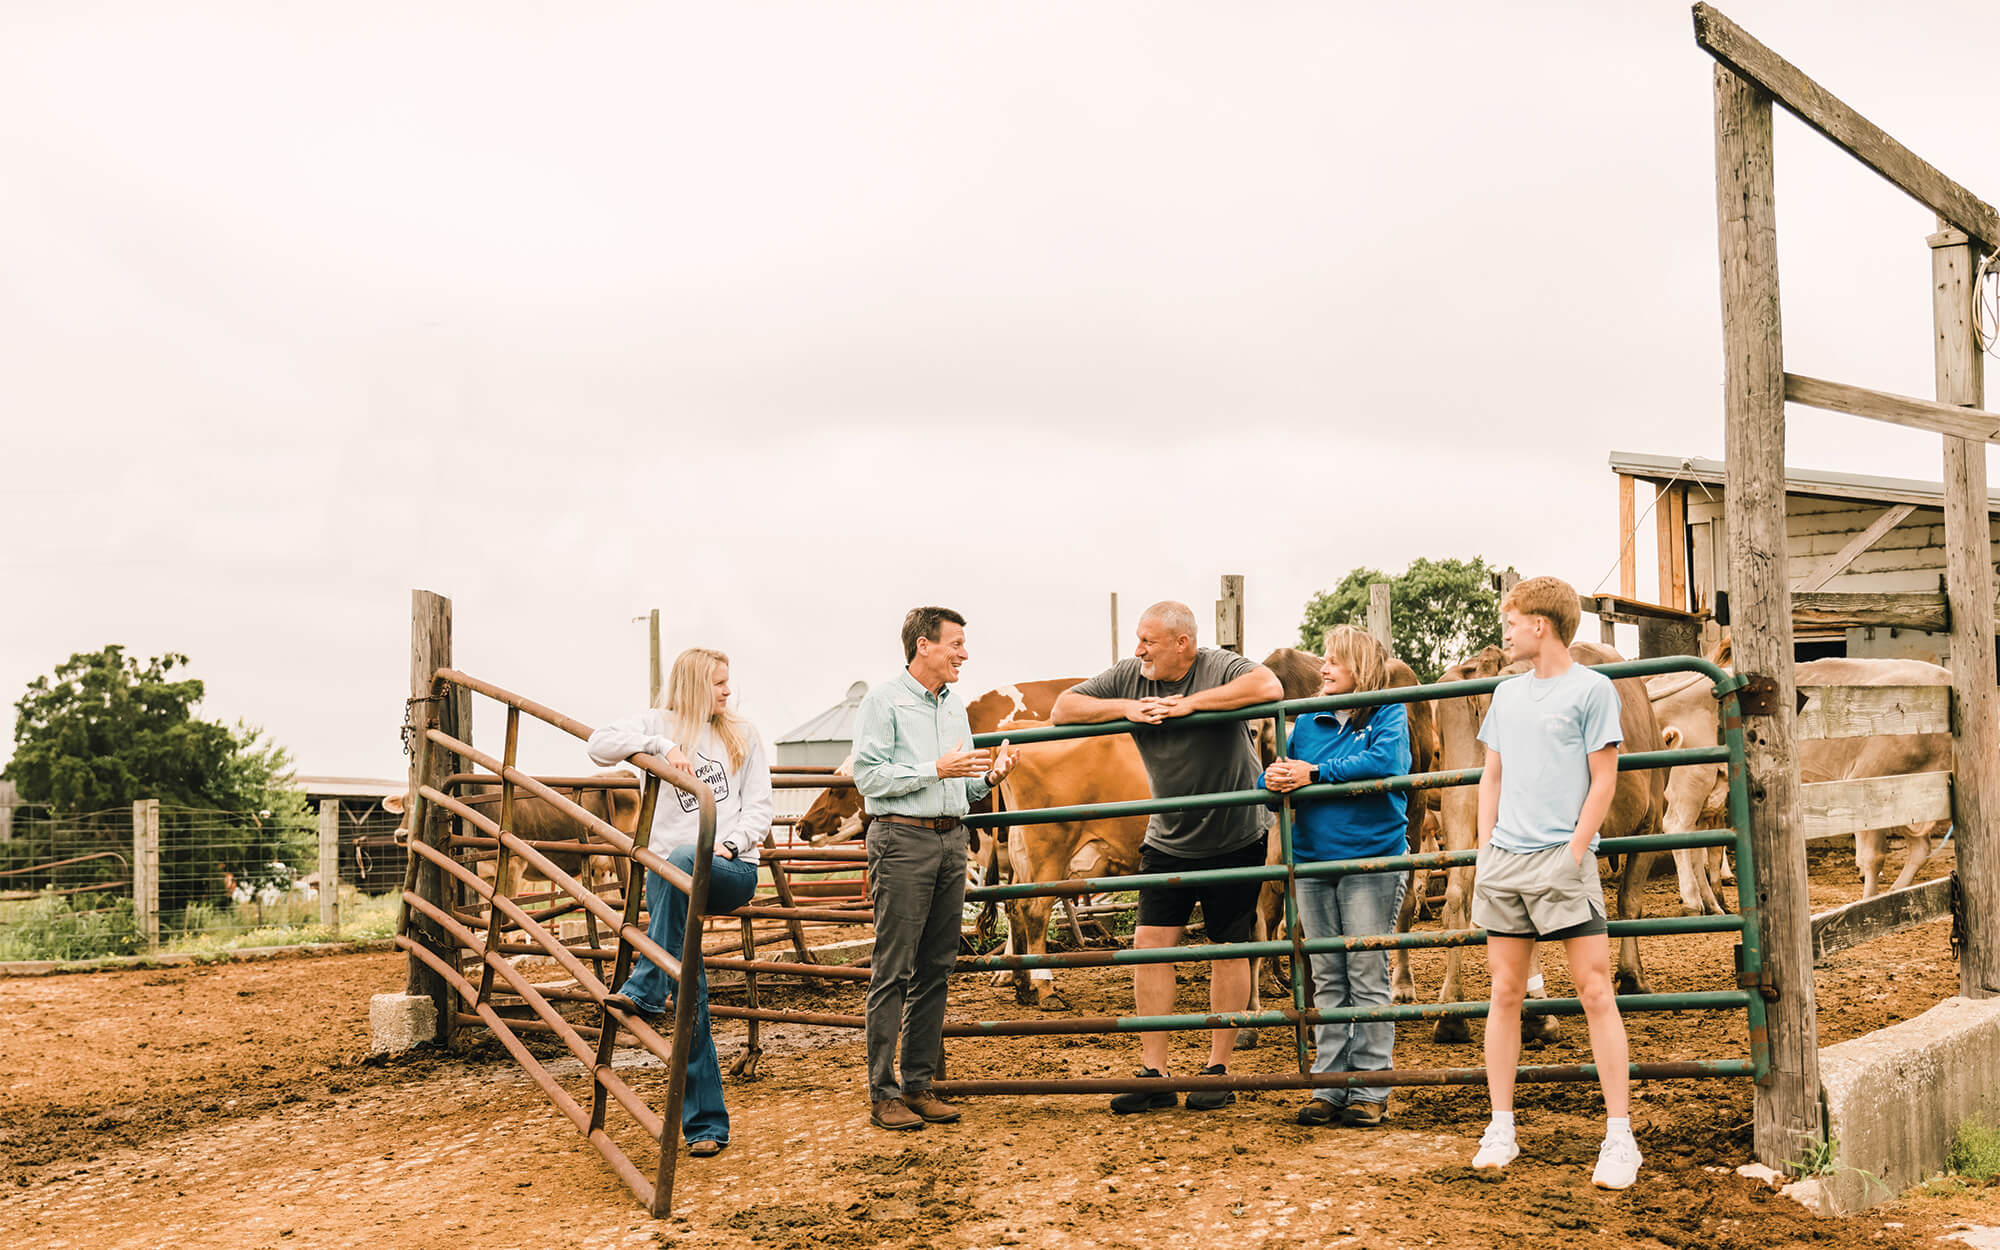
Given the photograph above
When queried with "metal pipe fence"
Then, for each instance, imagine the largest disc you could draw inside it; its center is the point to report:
(473, 932)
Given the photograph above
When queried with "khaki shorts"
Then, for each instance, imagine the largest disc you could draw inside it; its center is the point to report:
(1544, 894)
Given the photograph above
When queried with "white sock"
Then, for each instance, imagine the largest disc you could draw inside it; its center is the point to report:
(1535, 983)
(1618, 1127)
(1504, 1121)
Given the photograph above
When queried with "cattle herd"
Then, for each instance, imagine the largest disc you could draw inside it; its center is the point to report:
(1670, 711)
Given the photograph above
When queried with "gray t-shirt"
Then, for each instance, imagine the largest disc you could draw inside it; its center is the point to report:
(1181, 759)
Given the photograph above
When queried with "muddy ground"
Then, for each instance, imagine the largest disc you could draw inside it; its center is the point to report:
(234, 1106)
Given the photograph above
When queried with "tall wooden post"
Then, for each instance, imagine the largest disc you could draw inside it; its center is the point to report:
(1628, 538)
(1379, 626)
(329, 864)
(1117, 643)
(1969, 590)
(1229, 614)
(442, 707)
(657, 678)
(1788, 1103)
(146, 870)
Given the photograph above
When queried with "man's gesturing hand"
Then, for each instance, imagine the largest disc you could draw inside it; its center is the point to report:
(957, 763)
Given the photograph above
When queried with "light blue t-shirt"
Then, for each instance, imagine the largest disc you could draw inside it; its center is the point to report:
(1544, 732)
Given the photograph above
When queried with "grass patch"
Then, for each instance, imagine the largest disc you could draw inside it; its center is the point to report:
(363, 917)
(1975, 1154)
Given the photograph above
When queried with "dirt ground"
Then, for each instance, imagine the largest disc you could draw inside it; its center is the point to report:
(234, 1106)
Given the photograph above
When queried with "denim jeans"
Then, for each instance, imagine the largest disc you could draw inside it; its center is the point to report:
(1351, 906)
(731, 882)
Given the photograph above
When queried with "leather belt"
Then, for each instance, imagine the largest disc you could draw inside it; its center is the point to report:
(940, 824)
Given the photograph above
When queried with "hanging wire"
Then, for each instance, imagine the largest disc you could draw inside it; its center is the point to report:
(1633, 537)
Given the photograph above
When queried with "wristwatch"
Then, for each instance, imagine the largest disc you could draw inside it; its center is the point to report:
(1312, 774)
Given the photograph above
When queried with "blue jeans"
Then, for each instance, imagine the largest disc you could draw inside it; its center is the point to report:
(1351, 906)
(731, 882)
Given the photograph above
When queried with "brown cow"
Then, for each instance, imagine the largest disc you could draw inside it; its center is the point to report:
(1697, 793)
(1298, 672)
(1637, 807)
(1103, 769)
(538, 820)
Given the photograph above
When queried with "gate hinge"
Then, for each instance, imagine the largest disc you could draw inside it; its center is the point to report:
(1767, 989)
(1757, 695)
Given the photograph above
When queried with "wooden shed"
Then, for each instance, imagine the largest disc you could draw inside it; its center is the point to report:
(1867, 555)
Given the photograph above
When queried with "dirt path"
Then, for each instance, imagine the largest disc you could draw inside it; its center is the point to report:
(231, 1106)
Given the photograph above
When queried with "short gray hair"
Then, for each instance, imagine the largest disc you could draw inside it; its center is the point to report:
(1178, 617)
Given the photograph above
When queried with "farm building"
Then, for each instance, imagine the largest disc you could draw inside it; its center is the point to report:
(369, 856)
(1849, 534)
(827, 738)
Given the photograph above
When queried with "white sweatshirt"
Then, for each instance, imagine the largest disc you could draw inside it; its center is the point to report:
(742, 798)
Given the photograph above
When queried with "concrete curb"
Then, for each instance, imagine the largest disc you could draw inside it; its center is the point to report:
(120, 963)
(1896, 1097)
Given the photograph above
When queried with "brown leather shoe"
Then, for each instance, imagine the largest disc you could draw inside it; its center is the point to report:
(933, 1109)
(891, 1114)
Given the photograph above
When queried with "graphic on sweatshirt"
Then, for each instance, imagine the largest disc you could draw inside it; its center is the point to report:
(710, 771)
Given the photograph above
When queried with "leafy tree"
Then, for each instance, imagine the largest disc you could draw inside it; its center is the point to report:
(105, 730)
(1440, 611)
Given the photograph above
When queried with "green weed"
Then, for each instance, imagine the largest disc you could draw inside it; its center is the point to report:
(1975, 1154)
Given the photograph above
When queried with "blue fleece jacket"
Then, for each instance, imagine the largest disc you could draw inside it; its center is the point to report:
(1363, 825)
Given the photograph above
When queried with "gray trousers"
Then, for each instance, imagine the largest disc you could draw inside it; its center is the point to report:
(916, 881)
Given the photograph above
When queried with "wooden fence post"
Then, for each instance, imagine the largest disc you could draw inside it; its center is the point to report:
(329, 864)
(442, 708)
(146, 870)
(1379, 626)
(1969, 593)
(1229, 614)
(1788, 1104)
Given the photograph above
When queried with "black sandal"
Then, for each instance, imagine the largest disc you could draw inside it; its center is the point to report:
(706, 1148)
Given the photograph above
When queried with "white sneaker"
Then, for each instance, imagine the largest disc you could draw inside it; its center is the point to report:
(1497, 1149)
(1617, 1164)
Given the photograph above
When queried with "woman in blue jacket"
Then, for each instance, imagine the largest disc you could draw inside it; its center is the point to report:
(1353, 744)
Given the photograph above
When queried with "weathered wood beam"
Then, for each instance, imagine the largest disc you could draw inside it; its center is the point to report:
(1628, 537)
(1918, 414)
(1835, 809)
(1968, 574)
(1922, 610)
(1788, 1113)
(1861, 542)
(1844, 928)
(1850, 131)
(1872, 711)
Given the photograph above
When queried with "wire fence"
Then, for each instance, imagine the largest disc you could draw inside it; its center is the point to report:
(154, 878)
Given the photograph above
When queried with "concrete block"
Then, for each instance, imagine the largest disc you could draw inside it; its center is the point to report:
(398, 1022)
(1896, 1097)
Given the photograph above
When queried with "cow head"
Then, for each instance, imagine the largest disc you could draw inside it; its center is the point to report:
(830, 813)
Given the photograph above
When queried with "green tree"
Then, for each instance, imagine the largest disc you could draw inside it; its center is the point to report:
(1440, 611)
(105, 730)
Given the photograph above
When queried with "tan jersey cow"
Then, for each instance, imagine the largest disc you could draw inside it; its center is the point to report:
(1697, 793)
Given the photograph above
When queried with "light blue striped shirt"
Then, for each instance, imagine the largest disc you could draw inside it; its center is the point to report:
(901, 731)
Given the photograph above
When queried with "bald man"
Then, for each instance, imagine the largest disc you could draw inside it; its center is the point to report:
(1168, 677)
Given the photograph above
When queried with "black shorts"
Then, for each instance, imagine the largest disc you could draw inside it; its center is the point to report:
(1228, 908)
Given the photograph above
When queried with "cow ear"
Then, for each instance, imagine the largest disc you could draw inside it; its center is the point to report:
(393, 803)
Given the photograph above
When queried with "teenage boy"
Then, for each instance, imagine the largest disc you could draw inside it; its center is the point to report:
(1551, 739)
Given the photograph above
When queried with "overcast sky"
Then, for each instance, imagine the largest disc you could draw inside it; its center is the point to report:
(783, 318)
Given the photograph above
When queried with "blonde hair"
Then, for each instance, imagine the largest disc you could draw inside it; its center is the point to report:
(1550, 598)
(688, 699)
(1357, 650)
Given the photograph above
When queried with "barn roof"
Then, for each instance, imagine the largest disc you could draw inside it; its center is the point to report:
(836, 724)
(1818, 482)
(350, 787)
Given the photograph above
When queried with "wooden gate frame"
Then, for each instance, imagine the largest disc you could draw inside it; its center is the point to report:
(1749, 78)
